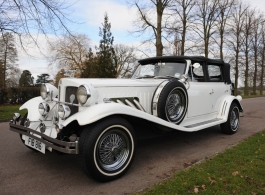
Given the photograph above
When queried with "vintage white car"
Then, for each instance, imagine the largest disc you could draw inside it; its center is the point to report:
(97, 118)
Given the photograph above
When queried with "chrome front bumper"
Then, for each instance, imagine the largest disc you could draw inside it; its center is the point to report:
(61, 146)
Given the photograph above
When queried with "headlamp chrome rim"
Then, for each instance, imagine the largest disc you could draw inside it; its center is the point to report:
(16, 117)
(44, 108)
(44, 91)
(64, 111)
(88, 94)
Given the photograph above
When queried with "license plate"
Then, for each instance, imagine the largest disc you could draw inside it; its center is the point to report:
(37, 145)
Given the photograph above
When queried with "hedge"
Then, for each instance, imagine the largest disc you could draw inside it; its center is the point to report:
(18, 95)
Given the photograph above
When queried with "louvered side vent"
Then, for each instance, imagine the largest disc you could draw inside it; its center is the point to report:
(130, 101)
(69, 91)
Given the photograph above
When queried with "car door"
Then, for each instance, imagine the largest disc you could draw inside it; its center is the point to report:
(216, 83)
(200, 100)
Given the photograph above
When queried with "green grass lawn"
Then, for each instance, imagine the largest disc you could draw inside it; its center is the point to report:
(238, 170)
(6, 112)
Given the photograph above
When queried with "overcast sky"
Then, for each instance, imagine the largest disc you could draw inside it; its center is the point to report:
(91, 14)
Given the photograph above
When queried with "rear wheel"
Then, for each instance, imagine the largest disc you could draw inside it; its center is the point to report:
(232, 123)
(107, 149)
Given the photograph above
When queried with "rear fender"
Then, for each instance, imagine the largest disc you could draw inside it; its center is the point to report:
(225, 106)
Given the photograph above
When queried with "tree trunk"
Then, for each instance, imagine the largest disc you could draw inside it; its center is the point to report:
(183, 39)
(236, 68)
(255, 63)
(246, 90)
(159, 45)
(262, 71)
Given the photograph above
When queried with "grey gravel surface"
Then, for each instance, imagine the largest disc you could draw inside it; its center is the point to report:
(23, 171)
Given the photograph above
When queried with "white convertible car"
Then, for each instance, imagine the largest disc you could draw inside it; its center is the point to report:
(97, 118)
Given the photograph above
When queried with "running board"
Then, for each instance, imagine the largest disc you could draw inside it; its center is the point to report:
(203, 123)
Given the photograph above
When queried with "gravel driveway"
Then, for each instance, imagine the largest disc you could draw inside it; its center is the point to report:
(23, 171)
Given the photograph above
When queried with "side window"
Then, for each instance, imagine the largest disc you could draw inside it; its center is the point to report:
(196, 74)
(215, 73)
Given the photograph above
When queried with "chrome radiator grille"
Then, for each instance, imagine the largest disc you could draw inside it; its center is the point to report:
(68, 92)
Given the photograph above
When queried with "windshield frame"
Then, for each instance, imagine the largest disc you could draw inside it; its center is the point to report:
(160, 61)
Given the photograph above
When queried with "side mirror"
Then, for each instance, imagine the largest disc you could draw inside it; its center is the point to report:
(196, 65)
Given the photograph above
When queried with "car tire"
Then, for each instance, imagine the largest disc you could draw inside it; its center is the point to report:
(173, 102)
(232, 123)
(106, 149)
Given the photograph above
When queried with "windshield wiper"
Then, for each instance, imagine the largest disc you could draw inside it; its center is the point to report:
(145, 76)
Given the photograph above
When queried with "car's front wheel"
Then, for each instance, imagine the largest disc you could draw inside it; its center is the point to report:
(107, 149)
(232, 123)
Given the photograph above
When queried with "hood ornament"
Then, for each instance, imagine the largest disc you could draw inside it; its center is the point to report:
(72, 98)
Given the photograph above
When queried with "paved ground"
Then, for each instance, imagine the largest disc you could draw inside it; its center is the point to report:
(23, 171)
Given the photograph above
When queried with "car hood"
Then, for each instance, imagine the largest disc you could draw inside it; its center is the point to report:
(98, 83)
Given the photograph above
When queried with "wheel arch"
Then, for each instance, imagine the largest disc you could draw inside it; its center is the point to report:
(225, 106)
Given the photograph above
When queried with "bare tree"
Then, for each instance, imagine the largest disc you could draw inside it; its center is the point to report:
(248, 35)
(225, 7)
(236, 28)
(182, 9)
(69, 53)
(144, 23)
(206, 21)
(256, 42)
(125, 57)
(262, 59)
(13, 78)
(28, 17)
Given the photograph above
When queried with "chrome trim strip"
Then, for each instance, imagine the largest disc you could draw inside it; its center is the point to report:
(129, 103)
(120, 102)
(62, 146)
(156, 96)
(138, 105)
(203, 123)
(223, 108)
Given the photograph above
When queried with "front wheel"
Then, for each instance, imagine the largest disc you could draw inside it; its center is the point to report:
(232, 123)
(107, 149)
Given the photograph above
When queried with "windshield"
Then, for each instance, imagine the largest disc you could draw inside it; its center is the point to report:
(160, 70)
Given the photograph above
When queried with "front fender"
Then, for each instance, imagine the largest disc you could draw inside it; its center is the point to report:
(100, 111)
(225, 106)
(32, 107)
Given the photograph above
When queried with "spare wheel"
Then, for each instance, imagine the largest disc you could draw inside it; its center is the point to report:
(170, 101)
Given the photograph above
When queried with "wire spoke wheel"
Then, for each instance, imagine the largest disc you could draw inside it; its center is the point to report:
(113, 150)
(175, 105)
(232, 123)
(234, 118)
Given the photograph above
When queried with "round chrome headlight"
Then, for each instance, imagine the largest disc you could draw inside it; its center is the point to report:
(64, 111)
(44, 108)
(44, 91)
(83, 94)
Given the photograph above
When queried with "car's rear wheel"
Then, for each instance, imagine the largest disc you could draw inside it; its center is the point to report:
(232, 123)
(107, 149)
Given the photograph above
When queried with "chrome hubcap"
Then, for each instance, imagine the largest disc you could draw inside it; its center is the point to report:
(113, 150)
(175, 105)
